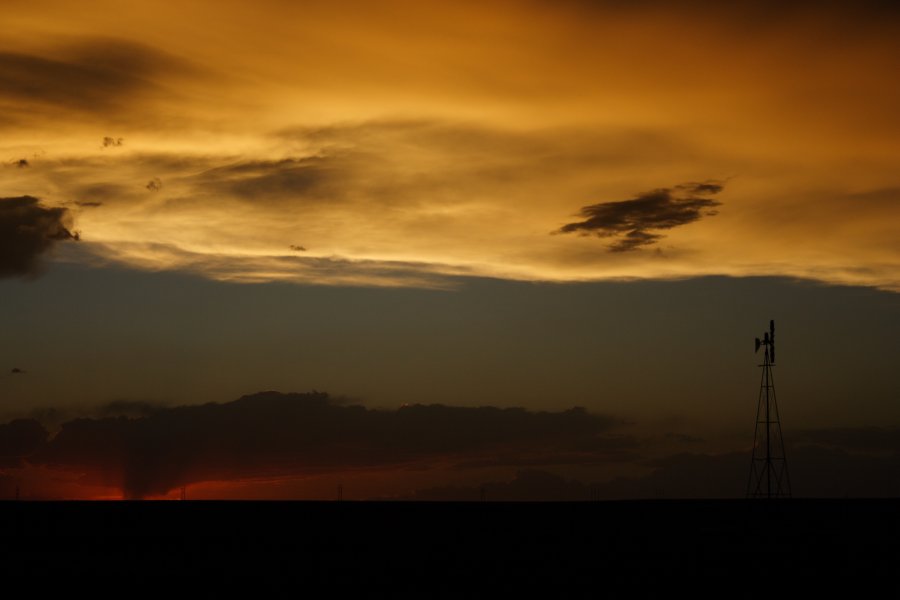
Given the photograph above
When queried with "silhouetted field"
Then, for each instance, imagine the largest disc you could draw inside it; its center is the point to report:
(639, 548)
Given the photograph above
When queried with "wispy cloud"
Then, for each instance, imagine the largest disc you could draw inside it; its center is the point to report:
(91, 77)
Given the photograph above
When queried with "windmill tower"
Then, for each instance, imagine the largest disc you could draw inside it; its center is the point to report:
(768, 466)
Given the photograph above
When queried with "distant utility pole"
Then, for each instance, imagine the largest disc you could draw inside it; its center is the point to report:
(184, 492)
(768, 465)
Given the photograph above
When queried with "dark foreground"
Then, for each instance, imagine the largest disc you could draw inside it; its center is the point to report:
(732, 549)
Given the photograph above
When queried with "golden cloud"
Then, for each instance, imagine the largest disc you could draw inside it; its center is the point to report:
(398, 143)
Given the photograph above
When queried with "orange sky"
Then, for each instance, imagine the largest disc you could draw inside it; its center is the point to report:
(453, 137)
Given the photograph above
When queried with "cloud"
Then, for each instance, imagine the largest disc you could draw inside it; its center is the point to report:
(18, 440)
(22, 163)
(824, 463)
(292, 178)
(684, 438)
(297, 248)
(154, 185)
(440, 195)
(111, 141)
(677, 476)
(409, 194)
(147, 449)
(428, 162)
(128, 408)
(95, 76)
(315, 270)
(635, 221)
(28, 230)
(853, 439)
(273, 434)
(825, 469)
(94, 194)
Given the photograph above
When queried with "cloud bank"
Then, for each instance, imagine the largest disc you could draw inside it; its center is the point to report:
(273, 434)
(155, 449)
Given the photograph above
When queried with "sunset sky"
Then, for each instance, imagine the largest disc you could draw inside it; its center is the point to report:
(520, 205)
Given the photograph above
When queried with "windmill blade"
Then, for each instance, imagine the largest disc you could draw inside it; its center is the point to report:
(757, 346)
(772, 353)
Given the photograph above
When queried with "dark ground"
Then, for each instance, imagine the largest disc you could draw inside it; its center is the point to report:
(657, 548)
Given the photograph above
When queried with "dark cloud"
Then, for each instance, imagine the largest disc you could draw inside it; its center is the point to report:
(635, 221)
(678, 476)
(297, 248)
(112, 142)
(92, 195)
(20, 439)
(27, 231)
(686, 475)
(22, 163)
(823, 463)
(128, 408)
(96, 76)
(854, 439)
(154, 185)
(148, 449)
(817, 471)
(583, 452)
(282, 434)
(307, 177)
(684, 438)
(16, 371)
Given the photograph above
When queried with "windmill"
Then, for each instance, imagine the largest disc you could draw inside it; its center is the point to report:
(768, 465)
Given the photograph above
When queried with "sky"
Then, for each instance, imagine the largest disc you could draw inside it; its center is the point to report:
(514, 210)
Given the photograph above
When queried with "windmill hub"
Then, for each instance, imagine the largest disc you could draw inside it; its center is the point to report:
(768, 342)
